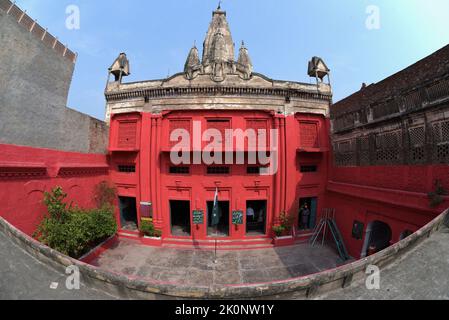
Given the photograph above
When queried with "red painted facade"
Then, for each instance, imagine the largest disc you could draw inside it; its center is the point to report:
(303, 140)
(395, 195)
(26, 173)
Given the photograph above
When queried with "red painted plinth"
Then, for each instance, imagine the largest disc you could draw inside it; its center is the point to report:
(284, 241)
(155, 242)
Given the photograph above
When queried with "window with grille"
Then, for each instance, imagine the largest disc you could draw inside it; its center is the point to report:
(345, 155)
(438, 90)
(179, 170)
(413, 100)
(443, 153)
(441, 139)
(256, 170)
(309, 168)
(218, 170)
(364, 153)
(389, 147)
(127, 168)
(417, 138)
(441, 132)
(344, 146)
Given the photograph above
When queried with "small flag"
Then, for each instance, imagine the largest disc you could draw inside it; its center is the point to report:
(216, 211)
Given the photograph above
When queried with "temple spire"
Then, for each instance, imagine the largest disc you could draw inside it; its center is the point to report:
(244, 64)
(219, 25)
(218, 60)
(193, 64)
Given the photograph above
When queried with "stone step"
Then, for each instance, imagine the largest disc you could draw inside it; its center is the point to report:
(220, 248)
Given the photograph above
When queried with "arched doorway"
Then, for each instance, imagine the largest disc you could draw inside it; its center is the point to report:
(378, 237)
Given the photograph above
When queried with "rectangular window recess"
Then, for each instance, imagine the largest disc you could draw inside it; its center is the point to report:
(127, 168)
(309, 169)
(218, 170)
(179, 170)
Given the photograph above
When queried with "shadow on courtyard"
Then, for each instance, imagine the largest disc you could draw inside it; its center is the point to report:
(197, 267)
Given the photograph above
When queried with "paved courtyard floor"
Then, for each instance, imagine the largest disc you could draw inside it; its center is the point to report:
(421, 274)
(197, 267)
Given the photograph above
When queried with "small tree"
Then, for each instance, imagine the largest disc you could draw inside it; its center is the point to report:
(54, 200)
(71, 230)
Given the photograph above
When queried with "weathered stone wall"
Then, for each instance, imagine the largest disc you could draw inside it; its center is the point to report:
(35, 77)
(257, 93)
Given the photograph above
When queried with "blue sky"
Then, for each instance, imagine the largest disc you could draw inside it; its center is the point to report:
(281, 37)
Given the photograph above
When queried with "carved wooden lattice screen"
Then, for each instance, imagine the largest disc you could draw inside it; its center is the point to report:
(441, 139)
(389, 146)
(178, 125)
(345, 155)
(417, 138)
(308, 135)
(261, 130)
(221, 126)
(127, 135)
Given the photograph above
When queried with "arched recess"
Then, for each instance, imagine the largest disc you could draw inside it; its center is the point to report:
(377, 238)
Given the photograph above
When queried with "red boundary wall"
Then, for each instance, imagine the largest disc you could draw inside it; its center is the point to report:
(394, 195)
(26, 173)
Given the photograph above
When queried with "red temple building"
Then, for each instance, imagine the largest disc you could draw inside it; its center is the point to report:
(222, 93)
(377, 160)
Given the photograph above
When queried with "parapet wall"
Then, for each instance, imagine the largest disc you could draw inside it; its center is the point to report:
(26, 173)
(304, 287)
(35, 76)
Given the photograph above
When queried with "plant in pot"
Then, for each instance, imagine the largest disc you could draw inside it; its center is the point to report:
(148, 230)
(278, 231)
(283, 231)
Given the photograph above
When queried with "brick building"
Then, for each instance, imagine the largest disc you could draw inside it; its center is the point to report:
(391, 150)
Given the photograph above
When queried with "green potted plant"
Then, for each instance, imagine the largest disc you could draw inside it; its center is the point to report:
(151, 235)
(283, 235)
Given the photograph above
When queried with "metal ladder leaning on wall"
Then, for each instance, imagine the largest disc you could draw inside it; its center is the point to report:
(327, 222)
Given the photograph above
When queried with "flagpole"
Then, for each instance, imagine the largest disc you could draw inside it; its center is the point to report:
(216, 225)
(216, 260)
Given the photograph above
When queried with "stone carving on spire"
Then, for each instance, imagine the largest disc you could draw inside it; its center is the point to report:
(193, 65)
(218, 60)
(244, 64)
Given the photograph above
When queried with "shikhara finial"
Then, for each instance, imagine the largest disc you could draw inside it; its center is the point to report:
(219, 5)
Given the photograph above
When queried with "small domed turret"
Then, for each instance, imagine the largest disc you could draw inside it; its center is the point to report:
(193, 63)
(244, 63)
(120, 67)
